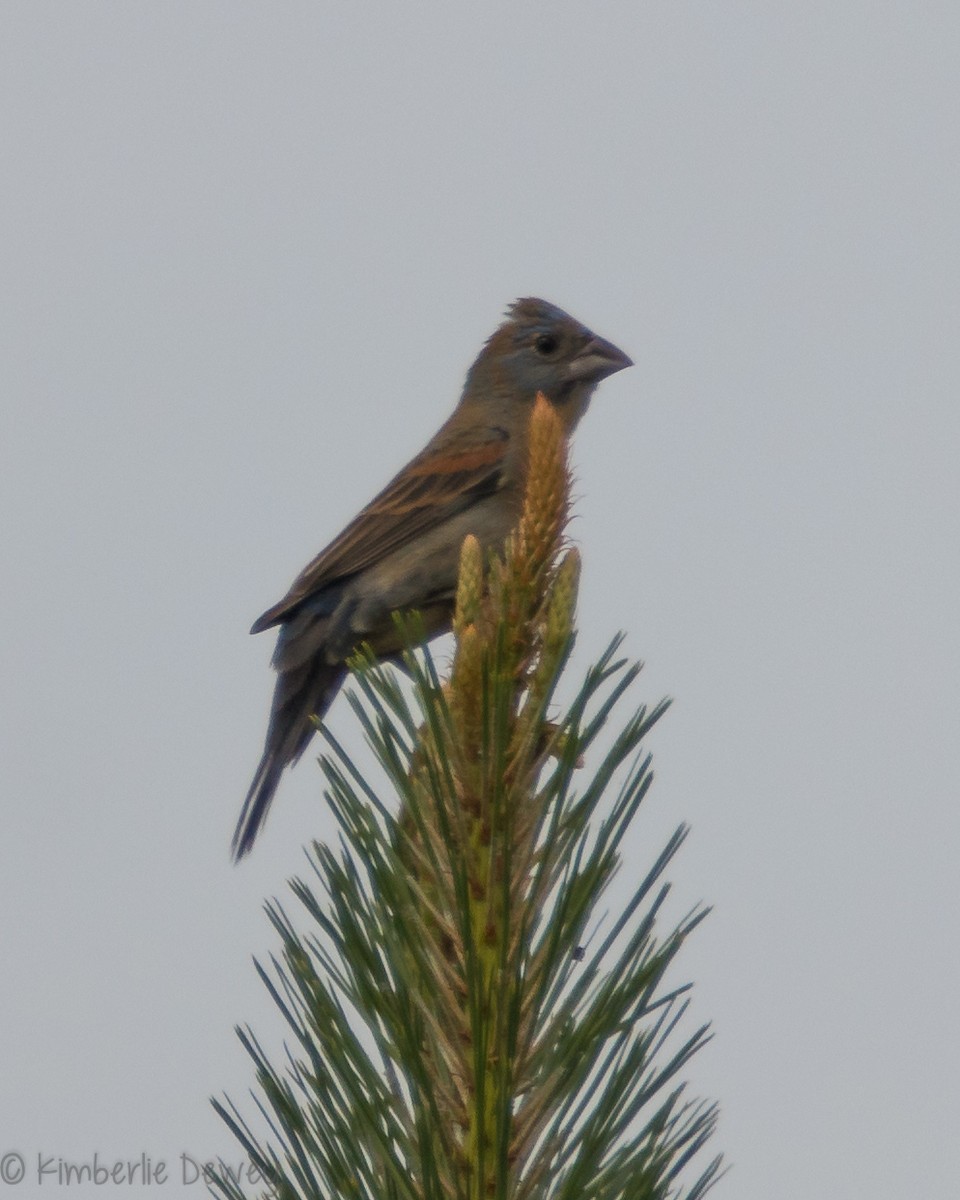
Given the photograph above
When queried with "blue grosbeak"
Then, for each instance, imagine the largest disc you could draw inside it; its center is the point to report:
(403, 549)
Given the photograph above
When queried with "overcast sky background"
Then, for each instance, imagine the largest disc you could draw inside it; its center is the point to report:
(248, 252)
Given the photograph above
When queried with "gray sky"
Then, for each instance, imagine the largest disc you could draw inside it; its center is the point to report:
(248, 252)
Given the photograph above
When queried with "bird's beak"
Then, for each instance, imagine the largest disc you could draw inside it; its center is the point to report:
(597, 360)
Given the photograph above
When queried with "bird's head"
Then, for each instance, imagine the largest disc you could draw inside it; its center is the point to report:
(540, 348)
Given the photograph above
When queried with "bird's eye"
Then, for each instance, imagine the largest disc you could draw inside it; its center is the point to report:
(545, 343)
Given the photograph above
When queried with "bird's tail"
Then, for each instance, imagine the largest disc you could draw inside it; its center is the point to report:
(301, 694)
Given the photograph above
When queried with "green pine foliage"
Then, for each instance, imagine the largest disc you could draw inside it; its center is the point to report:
(467, 1023)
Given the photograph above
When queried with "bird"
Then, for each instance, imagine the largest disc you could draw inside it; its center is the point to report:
(402, 551)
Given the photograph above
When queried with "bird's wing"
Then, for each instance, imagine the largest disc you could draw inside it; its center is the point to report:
(440, 482)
